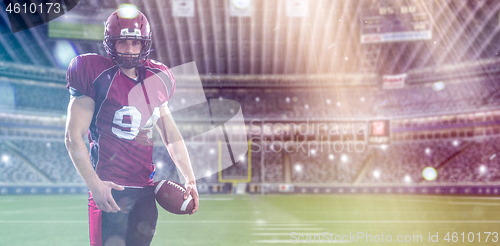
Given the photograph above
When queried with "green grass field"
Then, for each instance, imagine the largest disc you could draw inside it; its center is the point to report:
(270, 219)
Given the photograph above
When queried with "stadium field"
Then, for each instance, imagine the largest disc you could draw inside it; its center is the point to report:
(272, 219)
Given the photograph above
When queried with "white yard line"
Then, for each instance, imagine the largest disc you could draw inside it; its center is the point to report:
(287, 229)
(289, 241)
(250, 222)
(334, 221)
(281, 224)
(215, 199)
(288, 234)
(43, 221)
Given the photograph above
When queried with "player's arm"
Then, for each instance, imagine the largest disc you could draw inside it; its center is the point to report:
(80, 113)
(178, 151)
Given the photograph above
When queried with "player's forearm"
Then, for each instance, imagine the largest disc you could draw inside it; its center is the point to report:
(174, 142)
(81, 160)
(180, 156)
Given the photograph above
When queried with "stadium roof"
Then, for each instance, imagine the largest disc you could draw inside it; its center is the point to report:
(269, 42)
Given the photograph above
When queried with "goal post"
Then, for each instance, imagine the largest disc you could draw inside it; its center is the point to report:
(235, 180)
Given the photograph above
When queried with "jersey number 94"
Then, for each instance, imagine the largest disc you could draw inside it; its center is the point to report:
(135, 123)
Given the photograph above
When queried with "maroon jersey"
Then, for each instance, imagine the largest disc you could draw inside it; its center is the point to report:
(126, 110)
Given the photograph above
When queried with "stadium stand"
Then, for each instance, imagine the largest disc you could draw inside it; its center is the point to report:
(30, 141)
(404, 162)
(456, 96)
(51, 158)
(48, 99)
(477, 163)
(457, 161)
(273, 165)
(334, 167)
(418, 99)
(14, 168)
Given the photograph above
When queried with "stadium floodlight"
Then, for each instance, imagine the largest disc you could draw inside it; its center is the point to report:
(482, 169)
(438, 86)
(407, 178)
(427, 151)
(127, 11)
(159, 164)
(298, 167)
(5, 158)
(429, 173)
(64, 52)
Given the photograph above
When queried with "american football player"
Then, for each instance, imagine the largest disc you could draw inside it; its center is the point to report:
(116, 101)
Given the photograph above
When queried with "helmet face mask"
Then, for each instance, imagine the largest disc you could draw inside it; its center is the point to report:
(118, 28)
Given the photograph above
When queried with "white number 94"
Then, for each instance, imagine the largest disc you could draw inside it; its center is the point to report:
(135, 122)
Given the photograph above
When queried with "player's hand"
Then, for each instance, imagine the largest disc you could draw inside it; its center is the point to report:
(101, 194)
(191, 190)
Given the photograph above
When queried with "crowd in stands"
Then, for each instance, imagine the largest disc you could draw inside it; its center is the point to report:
(404, 162)
(333, 102)
(431, 100)
(326, 167)
(51, 158)
(471, 161)
(478, 162)
(36, 98)
(14, 169)
(298, 104)
(273, 165)
(457, 161)
(330, 102)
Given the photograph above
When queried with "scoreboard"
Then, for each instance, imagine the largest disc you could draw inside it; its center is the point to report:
(395, 20)
(379, 132)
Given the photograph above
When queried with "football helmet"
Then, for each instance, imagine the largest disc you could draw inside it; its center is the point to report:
(119, 26)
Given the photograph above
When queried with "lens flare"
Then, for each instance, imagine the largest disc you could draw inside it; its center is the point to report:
(429, 173)
(127, 11)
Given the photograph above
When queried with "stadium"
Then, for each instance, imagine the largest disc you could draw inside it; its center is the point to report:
(306, 121)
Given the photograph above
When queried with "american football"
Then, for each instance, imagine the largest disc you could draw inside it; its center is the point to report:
(170, 196)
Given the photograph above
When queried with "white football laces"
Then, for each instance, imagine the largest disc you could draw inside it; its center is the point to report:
(177, 186)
